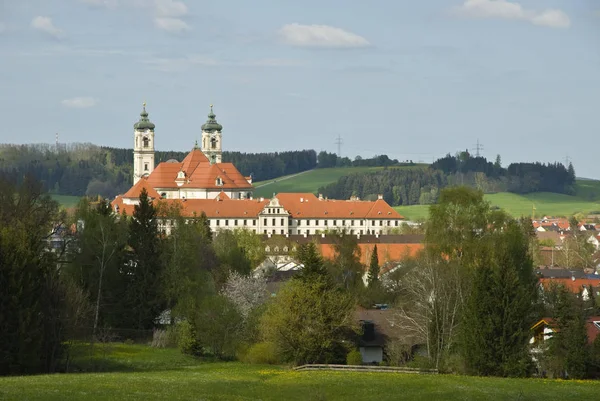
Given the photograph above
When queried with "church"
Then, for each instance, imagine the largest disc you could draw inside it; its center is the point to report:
(202, 183)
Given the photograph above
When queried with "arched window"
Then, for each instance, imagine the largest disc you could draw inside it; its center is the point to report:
(213, 143)
(146, 142)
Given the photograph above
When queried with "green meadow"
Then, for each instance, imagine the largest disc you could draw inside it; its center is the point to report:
(538, 203)
(136, 372)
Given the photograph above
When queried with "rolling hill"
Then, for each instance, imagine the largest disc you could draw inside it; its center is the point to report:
(310, 181)
(585, 200)
(545, 203)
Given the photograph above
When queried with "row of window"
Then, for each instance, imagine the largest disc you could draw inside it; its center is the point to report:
(235, 222)
(334, 222)
(316, 232)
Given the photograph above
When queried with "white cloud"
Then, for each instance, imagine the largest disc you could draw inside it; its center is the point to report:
(552, 19)
(170, 9)
(45, 24)
(172, 25)
(80, 102)
(504, 9)
(167, 14)
(320, 36)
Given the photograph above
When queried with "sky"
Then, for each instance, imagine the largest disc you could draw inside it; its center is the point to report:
(411, 79)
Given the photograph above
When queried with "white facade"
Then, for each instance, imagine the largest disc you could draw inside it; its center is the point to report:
(197, 193)
(212, 144)
(143, 147)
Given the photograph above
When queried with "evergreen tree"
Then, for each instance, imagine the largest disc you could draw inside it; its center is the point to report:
(31, 327)
(312, 262)
(144, 292)
(497, 317)
(571, 174)
(373, 277)
(568, 351)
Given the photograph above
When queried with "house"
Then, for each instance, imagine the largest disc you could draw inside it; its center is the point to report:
(544, 329)
(377, 328)
(583, 286)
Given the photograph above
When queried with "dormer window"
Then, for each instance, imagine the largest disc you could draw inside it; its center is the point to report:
(181, 175)
(219, 181)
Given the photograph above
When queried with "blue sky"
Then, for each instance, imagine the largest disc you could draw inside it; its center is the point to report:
(411, 79)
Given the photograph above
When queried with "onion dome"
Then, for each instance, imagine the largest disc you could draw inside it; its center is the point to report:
(144, 122)
(211, 124)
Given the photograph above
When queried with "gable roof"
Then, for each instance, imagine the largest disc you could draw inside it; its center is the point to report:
(573, 285)
(224, 208)
(592, 326)
(307, 205)
(136, 190)
(199, 173)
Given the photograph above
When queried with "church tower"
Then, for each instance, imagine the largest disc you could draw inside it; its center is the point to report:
(143, 147)
(211, 138)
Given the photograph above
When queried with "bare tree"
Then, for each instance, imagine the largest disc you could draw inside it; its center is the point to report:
(430, 305)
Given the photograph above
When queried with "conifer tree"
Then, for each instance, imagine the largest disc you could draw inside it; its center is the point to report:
(313, 265)
(497, 318)
(568, 348)
(373, 277)
(145, 300)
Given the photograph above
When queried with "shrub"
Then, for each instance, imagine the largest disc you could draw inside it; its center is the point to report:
(186, 339)
(262, 353)
(397, 353)
(354, 358)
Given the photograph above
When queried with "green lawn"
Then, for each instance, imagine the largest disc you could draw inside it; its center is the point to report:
(585, 200)
(167, 375)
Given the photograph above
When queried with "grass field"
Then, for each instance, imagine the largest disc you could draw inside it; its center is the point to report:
(66, 200)
(310, 181)
(167, 375)
(546, 204)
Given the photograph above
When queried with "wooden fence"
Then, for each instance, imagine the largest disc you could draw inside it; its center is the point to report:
(366, 368)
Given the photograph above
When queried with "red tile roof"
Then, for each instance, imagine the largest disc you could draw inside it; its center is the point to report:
(214, 208)
(572, 285)
(386, 253)
(307, 205)
(136, 190)
(199, 173)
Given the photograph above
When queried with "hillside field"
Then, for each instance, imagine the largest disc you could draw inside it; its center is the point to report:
(139, 372)
(546, 204)
(310, 181)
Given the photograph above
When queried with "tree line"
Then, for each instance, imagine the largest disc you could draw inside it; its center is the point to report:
(86, 169)
(469, 298)
(329, 160)
(421, 186)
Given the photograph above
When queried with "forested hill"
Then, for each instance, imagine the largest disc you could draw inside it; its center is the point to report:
(86, 169)
(422, 186)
